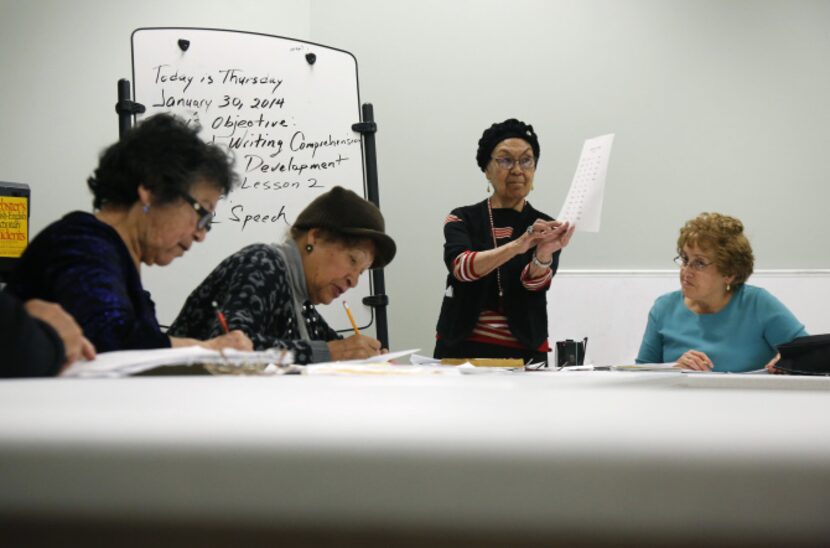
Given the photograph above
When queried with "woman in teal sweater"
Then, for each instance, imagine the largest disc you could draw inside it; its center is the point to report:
(715, 321)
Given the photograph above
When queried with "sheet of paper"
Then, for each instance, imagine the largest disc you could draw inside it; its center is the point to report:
(130, 362)
(127, 362)
(583, 204)
(418, 359)
(383, 358)
(359, 369)
(669, 367)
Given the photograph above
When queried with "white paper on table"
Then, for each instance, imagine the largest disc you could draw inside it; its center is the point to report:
(418, 359)
(583, 204)
(123, 363)
(383, 358)
(669, 366)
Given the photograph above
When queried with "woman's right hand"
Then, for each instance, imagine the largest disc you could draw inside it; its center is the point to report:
(541, 230)
(236, 339)
(75, 344)
(353, 348)
(695, 360)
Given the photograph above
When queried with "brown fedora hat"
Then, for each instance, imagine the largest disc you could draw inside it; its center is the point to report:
(342, 211)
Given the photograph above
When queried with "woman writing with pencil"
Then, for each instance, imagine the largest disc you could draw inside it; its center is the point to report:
(154, 193)
(269, 291)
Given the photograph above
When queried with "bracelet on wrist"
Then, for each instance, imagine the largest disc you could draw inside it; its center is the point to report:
(540, 264)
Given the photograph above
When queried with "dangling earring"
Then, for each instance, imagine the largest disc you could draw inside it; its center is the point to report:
(146, 208)
(309, 248)
(487, 188)
(728, 288)
(531, 186)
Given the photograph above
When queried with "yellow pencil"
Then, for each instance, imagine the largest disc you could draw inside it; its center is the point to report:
(351, 318)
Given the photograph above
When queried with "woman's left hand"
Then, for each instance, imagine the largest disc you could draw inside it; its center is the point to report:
(770, 367)
(555, 236)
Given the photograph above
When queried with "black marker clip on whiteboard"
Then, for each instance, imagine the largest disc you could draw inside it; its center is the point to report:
(184, 44)
(365, 127)
(311, 58)
(376, 300)
(126, 107)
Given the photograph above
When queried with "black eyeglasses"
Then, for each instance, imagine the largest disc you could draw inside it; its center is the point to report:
(205, 215)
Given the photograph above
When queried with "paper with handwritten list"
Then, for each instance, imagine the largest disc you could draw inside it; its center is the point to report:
(583, 204)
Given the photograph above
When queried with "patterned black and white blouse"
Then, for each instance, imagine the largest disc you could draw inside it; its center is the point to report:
(261, 290)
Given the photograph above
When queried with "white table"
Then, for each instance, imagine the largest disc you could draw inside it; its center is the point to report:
(598, 457)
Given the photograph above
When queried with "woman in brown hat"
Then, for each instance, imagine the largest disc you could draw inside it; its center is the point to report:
(501, 254)
(269, 291)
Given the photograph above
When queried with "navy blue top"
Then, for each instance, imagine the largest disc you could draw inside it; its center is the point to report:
(84, 265)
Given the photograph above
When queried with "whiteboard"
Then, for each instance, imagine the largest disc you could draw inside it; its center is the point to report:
(287, 123)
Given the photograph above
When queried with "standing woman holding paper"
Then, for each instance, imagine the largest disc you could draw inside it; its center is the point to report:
(154, 193)
(501, 254)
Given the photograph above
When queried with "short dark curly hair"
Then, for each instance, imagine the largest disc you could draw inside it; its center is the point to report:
(495, 134)
(163, 154)
(724, 237)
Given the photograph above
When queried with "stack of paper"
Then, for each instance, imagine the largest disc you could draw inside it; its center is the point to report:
(131, 362)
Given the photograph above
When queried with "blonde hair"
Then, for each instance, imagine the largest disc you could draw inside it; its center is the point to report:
(723, 236)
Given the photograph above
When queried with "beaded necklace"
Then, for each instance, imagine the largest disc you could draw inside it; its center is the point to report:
(495, 245)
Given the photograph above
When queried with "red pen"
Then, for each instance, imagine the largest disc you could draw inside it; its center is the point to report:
(221, 317)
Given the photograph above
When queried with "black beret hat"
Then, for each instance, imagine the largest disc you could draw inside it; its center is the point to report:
(495, 134)
(343, 212)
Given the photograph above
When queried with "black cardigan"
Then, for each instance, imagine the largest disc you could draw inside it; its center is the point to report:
(31, 348)
(526, 310)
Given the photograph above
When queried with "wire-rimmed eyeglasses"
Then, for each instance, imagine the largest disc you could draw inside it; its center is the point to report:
(697, 264)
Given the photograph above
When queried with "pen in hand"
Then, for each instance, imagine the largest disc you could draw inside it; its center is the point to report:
(221, 317)
(351, 318)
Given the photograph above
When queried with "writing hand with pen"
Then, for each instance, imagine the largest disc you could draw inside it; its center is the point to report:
(356, 346)
(235, 339)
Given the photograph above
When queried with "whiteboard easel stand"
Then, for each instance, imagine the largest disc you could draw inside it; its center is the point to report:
(126, 107)
(378, 300)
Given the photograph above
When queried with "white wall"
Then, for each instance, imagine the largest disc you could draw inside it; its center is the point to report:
(716, 106)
